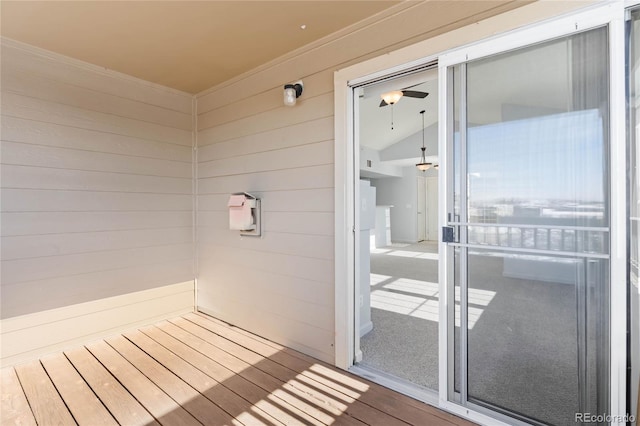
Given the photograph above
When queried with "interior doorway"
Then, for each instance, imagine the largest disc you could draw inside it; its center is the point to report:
(427, 208)
(397, 290)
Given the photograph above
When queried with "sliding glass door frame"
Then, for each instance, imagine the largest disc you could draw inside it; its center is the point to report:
(612, 16)
(442, 48)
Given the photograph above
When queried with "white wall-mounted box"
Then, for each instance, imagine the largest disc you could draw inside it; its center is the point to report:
(244, 213)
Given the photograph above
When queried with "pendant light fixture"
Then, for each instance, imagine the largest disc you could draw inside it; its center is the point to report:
(423, 165)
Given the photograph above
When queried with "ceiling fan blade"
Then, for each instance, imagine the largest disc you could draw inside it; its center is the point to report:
(415, 94)
(383, 103)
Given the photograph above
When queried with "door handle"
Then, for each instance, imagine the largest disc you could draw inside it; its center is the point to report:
(448, 234)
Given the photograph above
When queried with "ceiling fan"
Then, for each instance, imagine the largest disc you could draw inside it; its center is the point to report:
(393, 97)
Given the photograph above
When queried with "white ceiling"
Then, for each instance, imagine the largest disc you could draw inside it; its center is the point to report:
(375, 121)
(187, 45)
(192, 45)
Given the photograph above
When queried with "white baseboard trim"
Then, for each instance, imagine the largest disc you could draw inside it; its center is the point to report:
(365, 328)
(31, 336)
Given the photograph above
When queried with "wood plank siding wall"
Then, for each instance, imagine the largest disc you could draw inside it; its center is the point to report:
(281, 285)
(97, 183)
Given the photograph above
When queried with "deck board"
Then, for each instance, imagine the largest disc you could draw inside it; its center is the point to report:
(124, 407)
(44, 400)
(196, 370)
(223, 397)
(15, 409)
(248, 390)
(154, 399)
(205, 411)
(85, 407)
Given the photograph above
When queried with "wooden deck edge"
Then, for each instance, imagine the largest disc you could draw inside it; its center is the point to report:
(29, 337)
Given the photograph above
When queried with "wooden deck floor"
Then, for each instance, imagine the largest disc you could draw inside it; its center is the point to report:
(197, 370)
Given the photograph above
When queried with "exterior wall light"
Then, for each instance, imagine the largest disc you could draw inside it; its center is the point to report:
(292, 92)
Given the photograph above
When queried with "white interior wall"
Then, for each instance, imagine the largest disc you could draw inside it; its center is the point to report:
(397, 192)
(409, 147)
(96, 183)
(372, 167)
(402, 194)
(400, 189)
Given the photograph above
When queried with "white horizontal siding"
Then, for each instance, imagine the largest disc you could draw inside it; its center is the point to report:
(30, 246)
(267, 322)
(40, 268)
(97, 184)
(28, 177)
(306, 109)
(285, 277)
(25, 107)
(285, 157)
(279, 180)
(53, 293)
(315, 200)
(73, 159)
(292, 297)
(280, 159)
(310, 223)
(281, 314)
(33, 84)
(51, 134)
(315, 85)
(53, 200)
(43, 223)
(93, 77)
(286, 265)
(284, 137)
(314, 246)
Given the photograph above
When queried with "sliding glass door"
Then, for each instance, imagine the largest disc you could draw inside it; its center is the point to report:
(633, 136)
(529, 206)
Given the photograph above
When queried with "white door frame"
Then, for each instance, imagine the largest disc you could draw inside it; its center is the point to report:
(421, 217)
(432, 236)
(441, 48)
